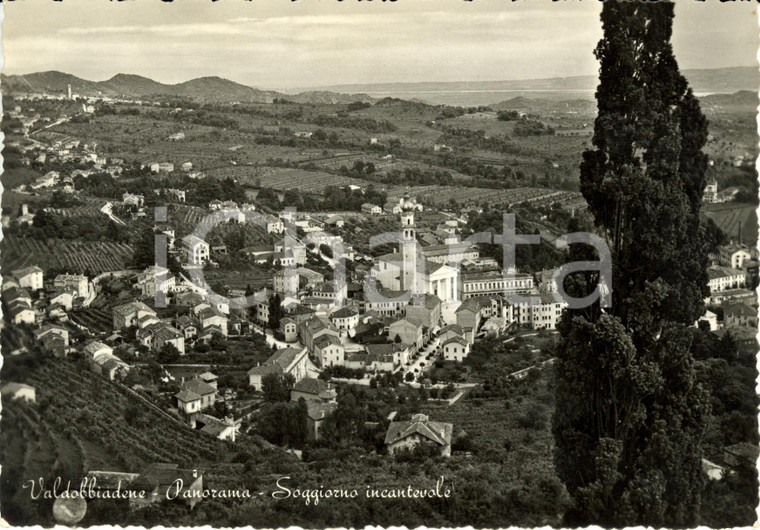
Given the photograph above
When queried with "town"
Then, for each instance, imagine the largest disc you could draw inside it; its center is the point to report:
(208, 290)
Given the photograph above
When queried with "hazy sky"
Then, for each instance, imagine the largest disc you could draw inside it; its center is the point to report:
(307, 43)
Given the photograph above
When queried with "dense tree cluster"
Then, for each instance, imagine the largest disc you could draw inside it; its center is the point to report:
(50, 225)
(508, 115)
(631, 413)
(528, 127)
(477, 139)
(354, 122)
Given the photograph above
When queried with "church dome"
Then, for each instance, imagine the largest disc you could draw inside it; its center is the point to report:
(407, 204)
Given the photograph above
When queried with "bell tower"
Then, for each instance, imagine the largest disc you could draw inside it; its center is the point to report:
(408, 245)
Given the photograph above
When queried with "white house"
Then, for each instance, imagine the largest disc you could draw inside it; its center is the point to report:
(29, 278)
(371, 209)
(455, 349)
(725, 278)
(76, 282)
(274, 225)
(197, 251)
(293, 361)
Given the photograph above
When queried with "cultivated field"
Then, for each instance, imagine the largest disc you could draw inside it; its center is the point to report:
(733, 217)
(91, 257)
(466, 196)
(285, 178)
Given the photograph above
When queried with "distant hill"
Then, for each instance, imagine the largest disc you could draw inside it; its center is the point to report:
(729, 79)
(48, 82)
(323, 97)
(134, 86)
(741, 98)
(582, 106)
(217, 89)
(126, 84)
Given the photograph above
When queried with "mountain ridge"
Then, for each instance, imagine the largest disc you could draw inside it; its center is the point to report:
(209, 88)
(222, 90)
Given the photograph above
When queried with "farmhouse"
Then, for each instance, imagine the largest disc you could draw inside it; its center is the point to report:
(52, 330)
(371, 209)
(336, 221)
(392, 208)
(159, 478)
(96, 349)
(129, 314)
(420, 431)
(157, 335)
(110, 366)
(195, 395)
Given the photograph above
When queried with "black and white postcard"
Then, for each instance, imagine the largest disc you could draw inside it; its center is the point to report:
(341, 263)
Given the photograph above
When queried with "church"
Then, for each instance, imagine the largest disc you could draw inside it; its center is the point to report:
(408, 270)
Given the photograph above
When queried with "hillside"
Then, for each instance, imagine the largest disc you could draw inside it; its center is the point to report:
(131, 84)
(205, 88)
(220, 89)
(215, 89)
(742, 98)
(51, 82)
(323, 97)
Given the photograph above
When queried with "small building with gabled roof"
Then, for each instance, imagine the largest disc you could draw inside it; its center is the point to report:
(419, 431)
(292, 361)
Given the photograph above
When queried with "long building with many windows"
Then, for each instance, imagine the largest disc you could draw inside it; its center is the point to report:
(494, 283)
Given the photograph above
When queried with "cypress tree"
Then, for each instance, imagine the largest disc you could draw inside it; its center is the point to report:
(630, 413)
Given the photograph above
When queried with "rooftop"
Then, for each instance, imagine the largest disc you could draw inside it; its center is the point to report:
(439, 433)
